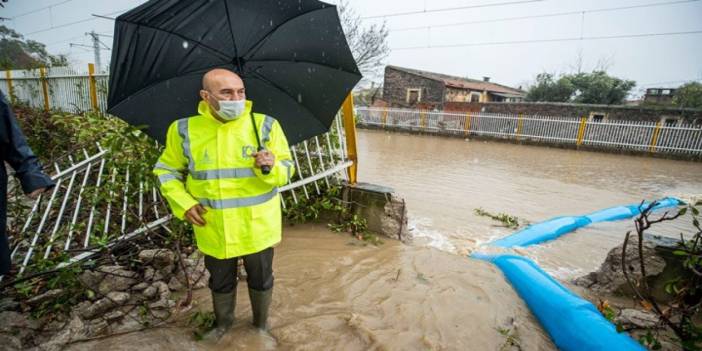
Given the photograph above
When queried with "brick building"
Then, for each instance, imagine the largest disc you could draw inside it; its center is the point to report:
(410, 88)
(663, 96)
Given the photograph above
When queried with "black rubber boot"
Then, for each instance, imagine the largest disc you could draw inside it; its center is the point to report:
(223, 305)
(260, 301)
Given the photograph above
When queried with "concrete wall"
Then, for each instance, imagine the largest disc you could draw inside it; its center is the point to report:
(385, 212)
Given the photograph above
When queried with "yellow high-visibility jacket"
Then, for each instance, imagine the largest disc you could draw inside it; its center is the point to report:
(209, 162)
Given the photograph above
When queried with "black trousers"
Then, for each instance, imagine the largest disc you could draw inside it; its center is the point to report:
(259, 271)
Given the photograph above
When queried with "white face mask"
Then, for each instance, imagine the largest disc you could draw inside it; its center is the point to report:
(231, 110)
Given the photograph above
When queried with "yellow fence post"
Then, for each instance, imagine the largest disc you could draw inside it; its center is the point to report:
(422, 119)
(44, 87)
(385, 117)
(520, 123)
(93, 87)
(350, 127)
(581, 131)
(10, 88)
(654, 138)
(466, 126)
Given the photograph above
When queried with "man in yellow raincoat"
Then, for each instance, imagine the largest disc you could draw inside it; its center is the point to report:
(214, 175)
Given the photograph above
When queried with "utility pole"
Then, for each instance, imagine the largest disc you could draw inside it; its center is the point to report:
(96, 48)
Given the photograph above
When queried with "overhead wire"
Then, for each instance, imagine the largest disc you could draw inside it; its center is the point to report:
(550, 40)
(546, 15)
(457, 8)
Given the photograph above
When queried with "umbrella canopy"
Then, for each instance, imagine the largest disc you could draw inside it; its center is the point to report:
(292, 55)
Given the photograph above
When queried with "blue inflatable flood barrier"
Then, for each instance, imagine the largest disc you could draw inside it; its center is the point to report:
(628, 211)
(556, 227)
(544, 231)
(572, 322)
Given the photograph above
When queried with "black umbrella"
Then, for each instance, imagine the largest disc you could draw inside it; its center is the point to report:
(292, 55)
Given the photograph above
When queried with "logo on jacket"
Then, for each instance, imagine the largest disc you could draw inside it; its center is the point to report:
(247, 151)
(206, 158)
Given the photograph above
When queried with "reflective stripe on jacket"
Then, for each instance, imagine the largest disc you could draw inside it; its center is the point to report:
(209, 162)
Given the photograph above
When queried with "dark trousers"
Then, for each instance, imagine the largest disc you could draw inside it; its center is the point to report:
(259, 271)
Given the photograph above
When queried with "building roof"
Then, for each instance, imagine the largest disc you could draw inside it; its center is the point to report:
(462, 83)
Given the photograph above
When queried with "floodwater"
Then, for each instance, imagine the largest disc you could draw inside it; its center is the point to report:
(333, 292)
(445, 179)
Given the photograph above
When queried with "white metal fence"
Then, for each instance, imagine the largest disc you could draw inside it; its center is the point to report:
(67, 89)
(641, 136)
(73, 219)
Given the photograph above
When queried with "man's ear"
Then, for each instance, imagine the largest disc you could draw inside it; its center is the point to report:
(203, 94)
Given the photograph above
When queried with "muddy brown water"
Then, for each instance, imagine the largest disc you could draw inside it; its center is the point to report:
(445, 179)
(334, 293)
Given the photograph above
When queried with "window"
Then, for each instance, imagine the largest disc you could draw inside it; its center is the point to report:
(597, 117)
(670, 121)
(414, 96)
(665, 92)
(474, 97)
(653, 91)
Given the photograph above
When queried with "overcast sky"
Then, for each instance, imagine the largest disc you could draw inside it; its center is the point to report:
(469, 49)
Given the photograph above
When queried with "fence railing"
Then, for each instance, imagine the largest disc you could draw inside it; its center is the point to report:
(72, 221)
(60, 88)
(641, 136)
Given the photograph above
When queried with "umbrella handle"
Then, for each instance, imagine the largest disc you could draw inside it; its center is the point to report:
(264, 169)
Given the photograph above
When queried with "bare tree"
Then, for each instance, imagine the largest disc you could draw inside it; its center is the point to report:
(368, 43)
(685, 288)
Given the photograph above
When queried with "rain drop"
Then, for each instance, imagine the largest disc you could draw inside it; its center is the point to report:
(299, 98)
(185, 44)
(271, 23)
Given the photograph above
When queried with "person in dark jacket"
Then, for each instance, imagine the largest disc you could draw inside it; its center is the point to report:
(15, 151)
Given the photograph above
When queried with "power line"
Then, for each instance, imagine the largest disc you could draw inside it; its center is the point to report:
(40, 9)
(63, 41)
(82, 46)
(72, 38)
(512, 42)
(452, 9)
(555, 14)
(73, 23)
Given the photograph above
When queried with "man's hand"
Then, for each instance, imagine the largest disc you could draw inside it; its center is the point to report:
(194, 215)
(35, 194)
(264, 158)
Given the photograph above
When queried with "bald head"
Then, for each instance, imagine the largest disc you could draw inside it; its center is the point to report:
(220, 77)
(221, 84)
